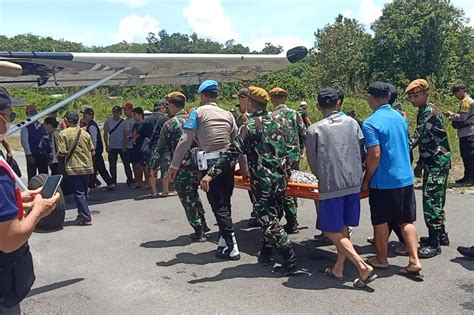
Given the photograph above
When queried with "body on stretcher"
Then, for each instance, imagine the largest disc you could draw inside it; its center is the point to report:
(299, 190)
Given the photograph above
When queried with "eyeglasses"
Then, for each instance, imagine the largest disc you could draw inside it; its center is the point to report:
(10, 117)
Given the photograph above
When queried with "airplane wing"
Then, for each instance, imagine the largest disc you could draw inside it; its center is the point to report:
(51, 69)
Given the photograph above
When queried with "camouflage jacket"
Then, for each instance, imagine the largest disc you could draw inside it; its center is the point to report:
(431, 138)
(295, 130)
(262, 140)
(169, 138)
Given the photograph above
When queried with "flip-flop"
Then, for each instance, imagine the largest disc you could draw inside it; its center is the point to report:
(370, 240)
(359, 283)
(370, 261)
(412, 275)
(170, 194)
(328, 272)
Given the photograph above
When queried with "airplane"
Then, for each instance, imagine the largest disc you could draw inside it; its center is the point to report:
(63, 69)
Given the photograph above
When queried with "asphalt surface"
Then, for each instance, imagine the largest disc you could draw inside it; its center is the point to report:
(137, 258)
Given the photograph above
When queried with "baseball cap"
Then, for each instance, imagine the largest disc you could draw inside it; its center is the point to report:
(393, 93)
(160, 104)
(117, 109)
(127, 106)
(72, 116)
(208, 85)
(378, 89)
(457, 87)
(88, 110)
(327, 96)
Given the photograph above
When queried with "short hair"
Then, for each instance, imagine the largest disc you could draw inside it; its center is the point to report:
(51, 121)
(138, 110)
(179, 101)
(332, 104)
(210, 93)
(279, 96)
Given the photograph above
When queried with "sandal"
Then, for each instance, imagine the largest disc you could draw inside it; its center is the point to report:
(170, 194)
(328, 272)
(359, 283)
(410, 274)
(372, 262)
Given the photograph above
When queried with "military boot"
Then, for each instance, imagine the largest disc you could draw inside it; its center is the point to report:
(265, 255)
(289, 267)
(231, 249)
(291, 226)
(198, 235)
(432, 247)
(205, 228)
(443, 238)
(254, 222)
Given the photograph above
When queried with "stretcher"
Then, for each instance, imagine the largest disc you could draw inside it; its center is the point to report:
(307, 191)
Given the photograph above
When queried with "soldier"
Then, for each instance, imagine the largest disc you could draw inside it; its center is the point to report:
(463, 121)
(187, 178)
(242, 95)
(434, 163)
(213, 128)
(262, 139)
(295, 130)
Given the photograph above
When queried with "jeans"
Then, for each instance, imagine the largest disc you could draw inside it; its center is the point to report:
(220, 192)
(79, 185)
(125, 156)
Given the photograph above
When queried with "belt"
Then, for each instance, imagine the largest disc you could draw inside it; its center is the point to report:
(213, 155)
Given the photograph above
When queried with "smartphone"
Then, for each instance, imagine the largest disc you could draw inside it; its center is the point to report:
(51, 186)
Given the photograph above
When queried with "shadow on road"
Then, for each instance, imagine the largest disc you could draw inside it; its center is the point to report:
(465, 262)
(53, 286)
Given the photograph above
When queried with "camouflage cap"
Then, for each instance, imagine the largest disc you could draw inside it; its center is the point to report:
(278, 91)
(258, 94)
(416, 86)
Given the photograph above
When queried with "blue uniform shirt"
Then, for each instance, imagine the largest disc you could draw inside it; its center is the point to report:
(8, 206)
(388, 129)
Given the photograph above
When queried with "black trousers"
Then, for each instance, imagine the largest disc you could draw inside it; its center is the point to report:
(40, 166)
(125, 156)
(99, 167)
(219, 195)
(466, 146)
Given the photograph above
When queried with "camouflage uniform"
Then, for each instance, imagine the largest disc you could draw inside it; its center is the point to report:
(295, 137)
(435, 157)
(187, 178)
(263, 141)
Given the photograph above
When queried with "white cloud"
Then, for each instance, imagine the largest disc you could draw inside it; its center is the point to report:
(133, 28)
(207, 19)
(470, 15)
(131, 3)
(286, 42)
(369, 12)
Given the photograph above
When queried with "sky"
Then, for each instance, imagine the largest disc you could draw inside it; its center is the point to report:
(250, 22)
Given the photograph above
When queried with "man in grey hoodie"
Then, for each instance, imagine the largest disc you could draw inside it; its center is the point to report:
(335, 149)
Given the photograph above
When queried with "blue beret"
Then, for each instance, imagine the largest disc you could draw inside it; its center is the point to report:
(210, 85)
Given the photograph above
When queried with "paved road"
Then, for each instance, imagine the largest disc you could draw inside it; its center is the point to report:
(137, 258)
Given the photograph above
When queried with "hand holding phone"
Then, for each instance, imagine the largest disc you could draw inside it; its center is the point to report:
(51, 186)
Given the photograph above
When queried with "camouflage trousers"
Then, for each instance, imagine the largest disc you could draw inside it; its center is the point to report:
(186, 184)
(290, 205)
(269, 201)
(435, 183)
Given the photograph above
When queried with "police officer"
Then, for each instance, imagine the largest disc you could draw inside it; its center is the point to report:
(15, 229)
(433, 165)
(295, 130)
(262, 139)
(187, 178)
(463, 121)
(214, 128)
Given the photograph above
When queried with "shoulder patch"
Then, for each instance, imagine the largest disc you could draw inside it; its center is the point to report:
(192, 122)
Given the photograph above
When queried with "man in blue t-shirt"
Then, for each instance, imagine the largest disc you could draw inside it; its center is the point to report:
(389, 178)
(15, 230)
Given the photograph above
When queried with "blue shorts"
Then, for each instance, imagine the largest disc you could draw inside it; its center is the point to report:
(338, 212)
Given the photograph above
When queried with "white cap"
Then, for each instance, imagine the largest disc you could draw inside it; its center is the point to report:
(303, 103)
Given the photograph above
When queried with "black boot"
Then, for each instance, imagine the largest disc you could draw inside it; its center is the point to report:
(265, 255)
(289, 266)
(231, 250)
(291, 226)
(198, 235)
(432, 246)
(254, 222)
(443, 239)
(205, 228)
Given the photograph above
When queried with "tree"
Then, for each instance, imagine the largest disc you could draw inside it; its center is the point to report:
(421, 38)
(341, 51)
(271, 49)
